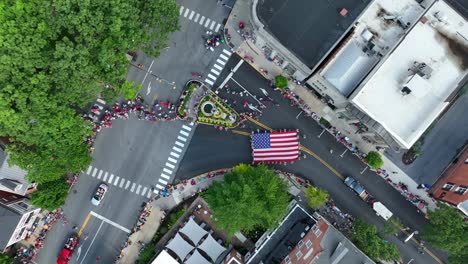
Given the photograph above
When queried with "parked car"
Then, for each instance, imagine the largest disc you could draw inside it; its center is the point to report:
(99, 194)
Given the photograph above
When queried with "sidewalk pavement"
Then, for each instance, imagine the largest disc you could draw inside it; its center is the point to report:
(244, 45)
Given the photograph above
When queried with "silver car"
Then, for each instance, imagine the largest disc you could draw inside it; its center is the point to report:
(99, 194)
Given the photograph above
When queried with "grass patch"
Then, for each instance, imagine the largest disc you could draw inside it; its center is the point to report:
(191, 88)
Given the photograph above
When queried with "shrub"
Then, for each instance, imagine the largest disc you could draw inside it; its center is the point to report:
(281, 81)
(324, 122)
(374, 159)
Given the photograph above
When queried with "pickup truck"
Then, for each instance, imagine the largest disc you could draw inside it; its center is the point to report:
(356, 187)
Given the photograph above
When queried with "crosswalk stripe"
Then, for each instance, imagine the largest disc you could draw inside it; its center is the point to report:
(122, 182)
(210, 82)
(167, 171)
(215, 71)
(165, 176)
(94, 172)
(138, 189)
(101, 101)
(227, 52)
(162, 181)
(223, 57)
(186, 12)
(180, 144)
(181, 138)
(218, 67)
(105, 177)
(170, 165)
(144, 191)
(221, 62)
(217, 27)
(159, 187)
(176, 149)
(148, 195)
(89, 170)
(100, 174)
(175, 154)
(202, 19)
(207, 22)
(172, 160)
(111, 178)
(181, 10)
(184, 133)
(186, 127)
(133, 187)
(211, 77)
(212, 25)
(116, 180)
(196, 18)
(191, 15)
(128, 184)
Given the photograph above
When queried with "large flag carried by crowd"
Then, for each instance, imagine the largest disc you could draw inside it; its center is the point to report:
(275, 146)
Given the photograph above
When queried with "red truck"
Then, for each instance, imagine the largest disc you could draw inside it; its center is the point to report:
(68, 249)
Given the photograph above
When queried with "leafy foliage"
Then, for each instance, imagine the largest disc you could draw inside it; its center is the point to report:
(365, 237)
(317, 197)
(324, 122)
(281, 81)
(50, 195)
(374, 159)
(459, 258)
(447, 230)
(5, 259)
(130, 90)
(57, 56)
(250, 197)
(392, 226)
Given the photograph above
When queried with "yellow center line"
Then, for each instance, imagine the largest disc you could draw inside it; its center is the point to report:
(259, 124)
(84, 224)
(241, 132)
(308, 151)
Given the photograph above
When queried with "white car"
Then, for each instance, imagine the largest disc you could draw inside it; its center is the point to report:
(99, 195)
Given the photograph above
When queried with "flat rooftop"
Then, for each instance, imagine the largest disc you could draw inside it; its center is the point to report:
(309, 29)
(429, 62)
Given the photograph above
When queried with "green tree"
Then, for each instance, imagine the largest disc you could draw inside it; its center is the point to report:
(130, 90)
(50, 195)
(392, 226)
(374, 159)
(317, 197)
(249, 197)
(459, 258)
(5, 259)
(365, 237)
(447, 230)
(57, 56)
(281, 81)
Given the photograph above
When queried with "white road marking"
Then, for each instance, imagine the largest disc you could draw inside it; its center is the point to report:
(111, 178)
(175, 154)
(215, 71)
(184, 133)
(212, 77)
(92, 241)
(128, 184)
(231, 74)
(159, 187)
(116, 180)
(221, 62)
(172, 160)
(89, 170)
(133, 187)
(217, 27)
(169, 165)
(144, 191)
(186, 127)
(223, 57)
(181, 138)
(147, 71)
(227, 52)
(138, 189)
(94, 172)
(165, 176)
(196, 18)
(105, 177)
(209, 81)
(162, 181)
(110, 222)
(148, 91)
(180, 144)
(181, 10)
(218, 67)
(100, 174)
(122, 183)
(212, 25)
(177, 149)
(167, 171)
(148, 195)
(191, 15)
(101, 101)
(207, 22)
(202, 19)
(186, 12)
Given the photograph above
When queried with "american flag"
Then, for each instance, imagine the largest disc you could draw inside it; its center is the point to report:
(275, 147)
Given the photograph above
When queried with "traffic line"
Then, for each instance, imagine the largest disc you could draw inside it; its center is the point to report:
(227, 52)
(89, 170)
(223, 57)
(165, 176)
(202, 20)
(215, 71)
(167, 171)
(95, 171)
(138, 189)
(181, 10)
(209, 81)
(148, 195)
(112, 223)
(133, 187)
(111, 178)
(217, 28)
(105, 177)
(105, 174)
(122, 182)
(100, 173)
(160, 187)
(172, 160)
(196, 18)
(218, 67)
(175, 154)
(212, 25)
(191, 15)
(116, 180)
(92, 241)
(207, 22)
(186, 12)
(212, 77)
(241, 132)
(177, 149)
(84, 224)
(163, 181)
(181, 138)
(184, 133)
(187, 128)
(221, 62)
(128, 184)
(170, 165)
(143, 192)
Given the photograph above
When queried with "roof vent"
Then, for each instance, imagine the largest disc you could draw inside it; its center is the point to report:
(405, 90)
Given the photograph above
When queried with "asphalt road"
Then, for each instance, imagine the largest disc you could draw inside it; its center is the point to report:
(211, 149)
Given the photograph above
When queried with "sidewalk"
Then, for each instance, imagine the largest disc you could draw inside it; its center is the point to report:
(245, 46)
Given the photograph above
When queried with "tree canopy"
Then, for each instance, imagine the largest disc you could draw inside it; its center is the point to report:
(50, 195)
(5, 259)
(374, 159)
(248, 198)
(317, 197)
(281, 81)
(447, 230)
(365, 237)
(56, 57)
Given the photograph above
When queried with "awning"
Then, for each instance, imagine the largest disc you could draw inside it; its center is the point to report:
(212, 248)
(179, 246)
(197, 258)
(164, 258)
(193, 231)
